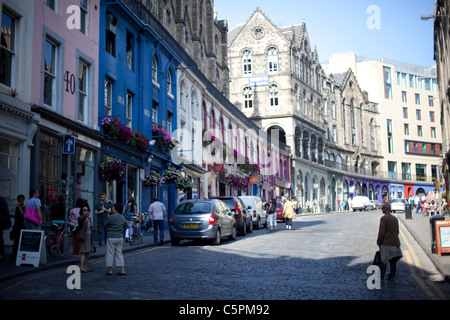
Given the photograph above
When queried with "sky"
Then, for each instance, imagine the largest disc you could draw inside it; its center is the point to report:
(374, 28)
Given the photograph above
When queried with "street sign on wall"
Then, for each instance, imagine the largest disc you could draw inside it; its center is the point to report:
(69, 145)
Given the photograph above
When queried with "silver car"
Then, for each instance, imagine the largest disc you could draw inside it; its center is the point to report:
(202, 219)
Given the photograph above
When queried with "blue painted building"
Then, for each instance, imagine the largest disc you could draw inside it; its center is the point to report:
(137, 90)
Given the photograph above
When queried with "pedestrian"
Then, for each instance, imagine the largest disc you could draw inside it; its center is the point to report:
(266, 209)
(308, 206)
(74, 214)
(85, 237)
(5, 223)
(128, 212)
(158, 210)
(35, 203)
(114, 227)
(288, 211)
(389, 242)
(273, 214)
(18, 223)
(102, 210)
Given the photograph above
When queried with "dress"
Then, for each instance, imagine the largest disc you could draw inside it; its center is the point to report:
(85, 235)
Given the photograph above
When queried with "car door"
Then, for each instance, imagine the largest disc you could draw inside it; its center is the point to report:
(226, 218)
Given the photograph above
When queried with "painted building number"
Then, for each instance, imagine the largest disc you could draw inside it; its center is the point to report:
(69, 79)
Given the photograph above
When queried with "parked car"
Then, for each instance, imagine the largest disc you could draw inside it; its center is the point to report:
(255, 206)
(398, 205)
(280, 214)
(361, 203)
(376, 204)
(241, 214)
(202, 219)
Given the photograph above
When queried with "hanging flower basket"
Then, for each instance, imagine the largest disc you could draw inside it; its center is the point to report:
(184, 184)
(139, 141)
(110, 127)
(152, 179)
(112, 169)
(238, 181)
(162, 137)
(171, 175)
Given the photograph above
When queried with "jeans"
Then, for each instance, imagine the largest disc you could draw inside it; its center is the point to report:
(158, 224)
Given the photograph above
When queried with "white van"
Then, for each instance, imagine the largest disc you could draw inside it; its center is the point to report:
(255, 206)
(361, 203)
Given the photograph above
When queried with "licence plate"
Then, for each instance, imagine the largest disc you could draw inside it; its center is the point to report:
(191, 225)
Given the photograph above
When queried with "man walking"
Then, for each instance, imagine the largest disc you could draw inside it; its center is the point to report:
(389, 242)
(158, 210)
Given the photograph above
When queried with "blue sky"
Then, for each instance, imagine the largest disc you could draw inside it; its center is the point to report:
(342, 25)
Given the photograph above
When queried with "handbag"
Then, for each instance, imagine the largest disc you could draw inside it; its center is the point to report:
(377, 259)
(31, 215)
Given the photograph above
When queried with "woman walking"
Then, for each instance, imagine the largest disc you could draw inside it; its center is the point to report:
(273, 214)
(114, 227)
(85, 237)
(288, 213)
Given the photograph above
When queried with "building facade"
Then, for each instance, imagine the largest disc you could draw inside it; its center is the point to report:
(64, 91)
(410, 135)
(442, 58)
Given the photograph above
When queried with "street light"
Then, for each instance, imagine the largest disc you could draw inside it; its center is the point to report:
(431, 16)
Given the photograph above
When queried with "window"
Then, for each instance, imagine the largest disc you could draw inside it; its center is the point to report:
(420, 172)
(387, 83)
(333, 109)
(325, 109)
(406, 171)
(352, 114)
(273, 95)
(406, 129)
(272, 58)
(83, 86)
(129, 110)
(353, 139)
(390, 138)
(155, 112)
(430, 101)
(433, 132)
(108, 97)
(431, 116)
(392, 168)
(110, 38)
(334, 133)
(404, 96)
(419, 131)
(169, 122)
(154, 70)
(50, 62)
(247, 62)
(7, 47)
(84, 16)
(248, 97)
(52, 4)
(169, 82)
(434, 171)
(417, 99)
(418, 114)
(129, 48)
(405, 113)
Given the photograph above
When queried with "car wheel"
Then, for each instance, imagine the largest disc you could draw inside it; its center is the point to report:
(250, 226)
(216, 240)
(232, 236)
(258, 224)
(244, 229)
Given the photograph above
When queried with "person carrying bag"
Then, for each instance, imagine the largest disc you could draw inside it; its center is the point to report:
(33, 216)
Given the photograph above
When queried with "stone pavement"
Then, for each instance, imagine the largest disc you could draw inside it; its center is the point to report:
(419, 226)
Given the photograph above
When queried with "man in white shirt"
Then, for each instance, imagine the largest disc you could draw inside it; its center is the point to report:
(158, 210)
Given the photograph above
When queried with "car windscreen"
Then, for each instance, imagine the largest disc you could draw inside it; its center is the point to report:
(229, 203)
(193, 207)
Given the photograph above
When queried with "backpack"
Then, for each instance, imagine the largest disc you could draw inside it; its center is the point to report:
(128, 215)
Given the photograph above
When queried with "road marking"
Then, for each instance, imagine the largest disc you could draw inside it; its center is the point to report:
(413, 260)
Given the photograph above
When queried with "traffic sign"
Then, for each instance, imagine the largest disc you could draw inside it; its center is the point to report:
(69, 145)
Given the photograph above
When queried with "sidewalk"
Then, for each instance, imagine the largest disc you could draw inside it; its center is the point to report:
(420, 228)
(8, 268)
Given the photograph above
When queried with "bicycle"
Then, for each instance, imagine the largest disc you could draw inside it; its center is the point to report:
(136, 234)
(54, 241)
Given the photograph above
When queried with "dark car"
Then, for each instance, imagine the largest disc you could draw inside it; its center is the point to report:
(202, 219)
(242, 216)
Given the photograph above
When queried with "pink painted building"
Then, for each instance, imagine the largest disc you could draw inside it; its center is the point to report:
(65, 95)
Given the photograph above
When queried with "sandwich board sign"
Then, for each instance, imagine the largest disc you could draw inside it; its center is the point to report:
(31, 248)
